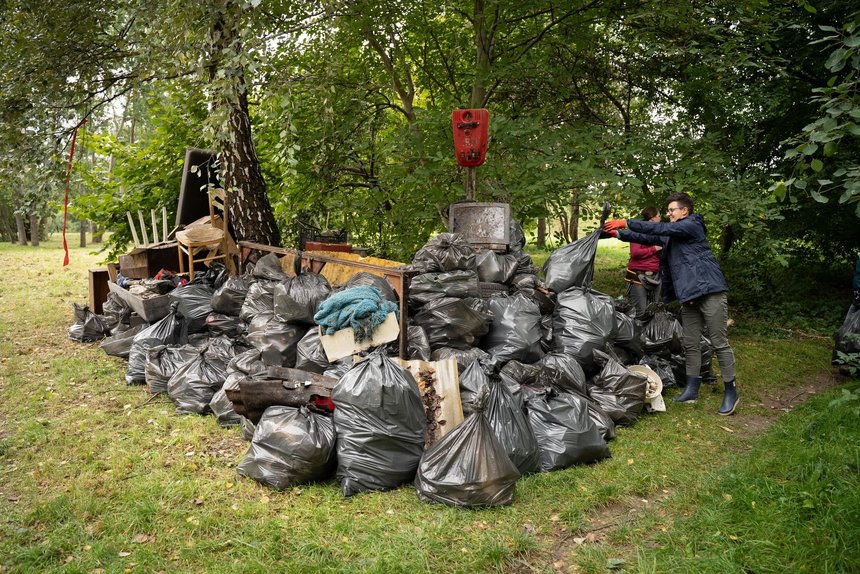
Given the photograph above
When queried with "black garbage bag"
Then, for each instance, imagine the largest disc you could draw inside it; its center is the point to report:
(298, 299)
(277, 341)
(417, 343)
(663, 334)
(474, 384)
(564, 430)
(379, 417)
(245, 364)
(194, 384)
(661, 366)
(619, 391)
(468, 467)
(259, 300)
(629, 334)
(385, 289)
(511, 427)
(464, 357)
(489, 267)
(88, 326)
(515, 333)
(562, 373)
(582, 322)
(290, 446)
(546, 333)
(223, 349)
(339, 368)
(706, 372)
(848, 334)
(119, 344)
(516, 237)
(523, 281)
(604, 423)
(310, 355)
(445, 252)
(220, 324)
(167, 331)
(540, 297)
(573, 264)
(520, 373)
(450, 322)
(116, 313)
(222, 408)
(230, 297)
(269, 268)
(429, 287)
(163, 361)
(195, 304)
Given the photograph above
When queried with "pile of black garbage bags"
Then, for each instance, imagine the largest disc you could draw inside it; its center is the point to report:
(543, 368)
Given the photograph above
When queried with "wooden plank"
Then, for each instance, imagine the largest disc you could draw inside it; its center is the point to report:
(98, 282)
(343, 344)
(445, 381)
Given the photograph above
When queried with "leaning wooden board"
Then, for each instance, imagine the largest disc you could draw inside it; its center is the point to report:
(446, 382)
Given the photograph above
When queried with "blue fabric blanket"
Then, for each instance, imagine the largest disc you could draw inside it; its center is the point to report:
(361, 308)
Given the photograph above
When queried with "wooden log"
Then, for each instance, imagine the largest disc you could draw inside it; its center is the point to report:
(281, 387)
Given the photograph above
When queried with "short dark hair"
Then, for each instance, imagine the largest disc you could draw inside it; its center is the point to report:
(682, 199)
(649, 212)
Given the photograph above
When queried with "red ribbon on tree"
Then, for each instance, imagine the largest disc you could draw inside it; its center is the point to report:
(66, 200)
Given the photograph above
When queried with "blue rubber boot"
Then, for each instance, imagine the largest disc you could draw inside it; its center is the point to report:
(730, 399)
(691, 391)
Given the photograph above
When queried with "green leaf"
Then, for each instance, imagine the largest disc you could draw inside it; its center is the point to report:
(835, 62)
(852, 41)
(817, 165)
(823, 182)
(800, 184)
(830, 148)
(846, 195)
(817, 196)
(809, 149)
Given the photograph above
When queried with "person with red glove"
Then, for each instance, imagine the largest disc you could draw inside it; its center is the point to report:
(642, 275)
(691, 275)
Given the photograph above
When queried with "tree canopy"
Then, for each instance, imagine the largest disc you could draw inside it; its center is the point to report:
(337, 112)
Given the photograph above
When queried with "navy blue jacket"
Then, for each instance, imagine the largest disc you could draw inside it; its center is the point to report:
(689, 268)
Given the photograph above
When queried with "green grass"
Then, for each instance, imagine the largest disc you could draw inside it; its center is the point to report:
(98, 477)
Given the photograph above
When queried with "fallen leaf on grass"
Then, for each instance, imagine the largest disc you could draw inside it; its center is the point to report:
(727, 429)
(123, 554)
(141, 539)
(615, 563)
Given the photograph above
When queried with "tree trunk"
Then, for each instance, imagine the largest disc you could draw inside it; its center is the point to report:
(574, 217)
(83, 232)
(8, 233)
(727, 239)
(22, 229)
(484, 40)
(251, 215)
(34, 230)
(541, 232)
(97, 234)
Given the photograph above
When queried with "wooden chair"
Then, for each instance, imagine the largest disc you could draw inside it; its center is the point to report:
(207, 242)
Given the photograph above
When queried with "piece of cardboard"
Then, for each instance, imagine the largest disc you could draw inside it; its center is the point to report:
(343, 344)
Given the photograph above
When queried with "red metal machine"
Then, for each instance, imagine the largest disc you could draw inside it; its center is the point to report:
(471, 132)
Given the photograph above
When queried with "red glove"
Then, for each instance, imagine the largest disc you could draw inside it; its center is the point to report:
(612, 233)
(614, 224)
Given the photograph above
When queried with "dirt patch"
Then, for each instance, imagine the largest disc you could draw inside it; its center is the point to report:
(788, 399)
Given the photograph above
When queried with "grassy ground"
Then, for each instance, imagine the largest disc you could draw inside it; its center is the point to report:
(100, 477)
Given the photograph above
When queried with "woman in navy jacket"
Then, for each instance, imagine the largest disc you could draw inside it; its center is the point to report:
(691, 275)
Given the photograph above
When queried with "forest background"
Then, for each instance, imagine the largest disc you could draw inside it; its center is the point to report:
(337, 113)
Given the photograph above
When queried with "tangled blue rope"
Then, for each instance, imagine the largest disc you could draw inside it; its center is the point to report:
(361, 308)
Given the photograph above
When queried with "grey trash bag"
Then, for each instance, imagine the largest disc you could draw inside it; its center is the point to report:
(663, 334)
(661, 366)
(291, 446)
(451, 322)
(248, 428)
(245, 364)
(629, 334)
(464, 357)
(516, 237)
(88, 326)
(520, 373)
(619, 391)
(489, 266)
(380, 422)
(298, 299)
(417, 344)
(604, 423)
(269, 268)
(445, 252)
(562, 373)
(474, 383)
(222, 408)
(229, 298)
(220, 324)
(167, 331)
(515, 333)
(259, 300)
(573, 264)
(310, 355)
(582, 322)
(119, 344)
(564, 430)
(467, 467)
(116, 312)
(195, 304)
(511, 427)
(277, 341)
(192, 387)
(429, 287)
(385, 289)
(163, 361)
(845, 343)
